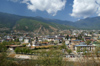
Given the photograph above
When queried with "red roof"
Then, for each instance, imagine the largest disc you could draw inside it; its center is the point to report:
(14, 45)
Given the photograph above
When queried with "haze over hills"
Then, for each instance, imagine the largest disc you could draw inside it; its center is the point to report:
(88, 23)
(31, 24)
(44, 25)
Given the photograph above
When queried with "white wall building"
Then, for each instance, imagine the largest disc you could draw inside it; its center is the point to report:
(26, 40)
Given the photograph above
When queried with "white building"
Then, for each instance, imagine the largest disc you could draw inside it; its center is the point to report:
(87, 47)
(29, 45)
(67, 42)
(33, 43)
(20, 39)
(26, 40)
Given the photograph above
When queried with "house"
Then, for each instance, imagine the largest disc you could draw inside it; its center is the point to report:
(61, 38)
(56, 41)
(35, 43)
(29, 45)
(72, 44)
(74, 34)
(87, 47)
(26, 40)
(67, 41)
(87, 38)
(8, 38)
(73, 38)
(51, 38)
(70, 56)
(12, 47)
(96, 43)
(20, 39)
(95, 38)
(85, 34)
(75, 41)
(89, 35)
(43, 43)
(1, 40)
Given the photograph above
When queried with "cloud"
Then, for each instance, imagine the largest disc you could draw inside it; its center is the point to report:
(50, 6)
(85, 8)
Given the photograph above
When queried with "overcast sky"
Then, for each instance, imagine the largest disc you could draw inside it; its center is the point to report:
(71, 10)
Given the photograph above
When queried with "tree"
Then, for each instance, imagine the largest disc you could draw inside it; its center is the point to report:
(84, 51)
(23, 50)
(50, 58)
(17, 40)
(36, 38)
(67, 37)
(78, 49)
(69, 51)
(2, 48)
(97, 50)
(79, 37)
(63, 46)
(88, 42)
(56, 42)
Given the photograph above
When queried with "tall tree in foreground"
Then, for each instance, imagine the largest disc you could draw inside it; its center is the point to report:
(88, 42)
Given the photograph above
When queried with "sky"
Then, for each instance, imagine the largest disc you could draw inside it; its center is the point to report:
(71, 10)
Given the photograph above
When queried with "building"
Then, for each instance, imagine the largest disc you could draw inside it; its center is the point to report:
(12, 47)
(26, 40)
(87, 47)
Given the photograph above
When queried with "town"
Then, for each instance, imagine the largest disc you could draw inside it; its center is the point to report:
(73, 43)
(49, 32)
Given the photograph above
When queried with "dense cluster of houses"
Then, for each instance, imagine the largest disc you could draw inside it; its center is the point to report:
(73, 40)
(88, 41)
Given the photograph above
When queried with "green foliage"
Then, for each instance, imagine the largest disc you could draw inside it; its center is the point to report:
(47, 47)
(45, 40)
(22, 23)
(79, 37)
(5, 62)
(30, 25)
(97, 51)
(24, 45)
(51, 58)
(63, 45)
(10, 43)
(61, 26)
(23, 50)
(88, 23)
(88, 42)
(8, 21)
(67, 37)
(78, 49)
(2, 48)
(84, 51)
(56, 42)
(17, 40)
(69, 51)
(3, 45)
(96, 42)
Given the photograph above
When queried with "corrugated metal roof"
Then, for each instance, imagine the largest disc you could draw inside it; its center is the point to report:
(84, 45)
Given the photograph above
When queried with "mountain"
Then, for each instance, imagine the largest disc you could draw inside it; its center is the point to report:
(54, 20)
(88, 23)
(8, 20)
(31, 24)
(41, 25)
